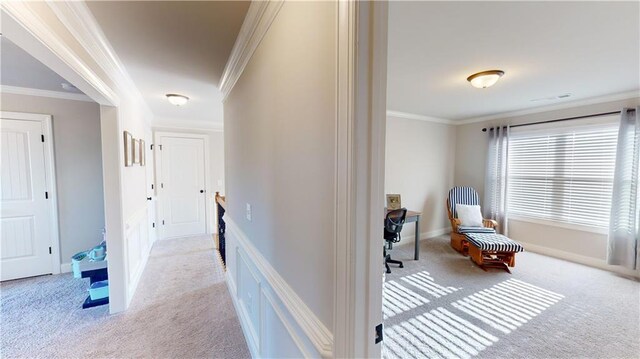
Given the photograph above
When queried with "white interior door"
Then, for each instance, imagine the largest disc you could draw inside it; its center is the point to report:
(182, 187)
(25, 246)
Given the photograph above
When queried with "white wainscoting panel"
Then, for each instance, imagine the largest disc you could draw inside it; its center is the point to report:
(137, 249)
(275, 320)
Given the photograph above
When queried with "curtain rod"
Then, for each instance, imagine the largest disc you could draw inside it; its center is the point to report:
(560, 119)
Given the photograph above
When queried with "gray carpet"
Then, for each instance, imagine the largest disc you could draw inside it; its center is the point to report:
(443, 306)
(182, 309)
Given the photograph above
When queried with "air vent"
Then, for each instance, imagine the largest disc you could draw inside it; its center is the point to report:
(552, 98)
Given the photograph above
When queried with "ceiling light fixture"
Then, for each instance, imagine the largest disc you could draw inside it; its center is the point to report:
(176, 99)
(485, 79)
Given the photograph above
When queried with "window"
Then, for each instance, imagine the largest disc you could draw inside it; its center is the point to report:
(563, 175)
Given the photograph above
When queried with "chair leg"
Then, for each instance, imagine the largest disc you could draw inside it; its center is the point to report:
(388, 268)
(393, 261)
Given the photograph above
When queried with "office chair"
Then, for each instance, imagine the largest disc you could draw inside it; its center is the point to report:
(392, 226)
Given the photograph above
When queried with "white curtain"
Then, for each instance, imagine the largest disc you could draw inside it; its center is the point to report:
(623, 228)
(495, 183)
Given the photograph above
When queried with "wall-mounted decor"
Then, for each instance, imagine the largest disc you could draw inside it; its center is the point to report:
(136, 151)
(393, 201)
(143, 156)
(128, 149)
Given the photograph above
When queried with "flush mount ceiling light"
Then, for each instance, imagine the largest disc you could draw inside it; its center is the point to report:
(485, 79)
(176, 99)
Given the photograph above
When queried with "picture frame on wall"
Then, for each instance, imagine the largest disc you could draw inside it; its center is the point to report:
(136, 151)
(394, 201)
(128, 149)
(143, 156)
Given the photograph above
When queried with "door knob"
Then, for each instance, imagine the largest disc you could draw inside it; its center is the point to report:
(201, 191)
(149, 198)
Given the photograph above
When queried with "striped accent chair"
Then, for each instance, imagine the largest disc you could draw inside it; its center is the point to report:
(469, 196)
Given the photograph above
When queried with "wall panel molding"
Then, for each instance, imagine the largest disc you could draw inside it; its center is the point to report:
(14, 90)
(249, 272)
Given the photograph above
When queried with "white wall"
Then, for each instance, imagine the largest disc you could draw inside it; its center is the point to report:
(420, 161)
(280, 140)
(471, 145)
(78, 161)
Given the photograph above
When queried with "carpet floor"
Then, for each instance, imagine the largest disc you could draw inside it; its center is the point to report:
(444, 306)
(181, 309)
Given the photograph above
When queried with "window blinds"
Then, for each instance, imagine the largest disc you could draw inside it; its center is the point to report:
(566, 176)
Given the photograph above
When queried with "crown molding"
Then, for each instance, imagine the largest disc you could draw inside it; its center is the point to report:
(180, 124)
(26, 17)
(565, 105)
(255, 25)
(413, 116)
(15, 90)
(81, 23)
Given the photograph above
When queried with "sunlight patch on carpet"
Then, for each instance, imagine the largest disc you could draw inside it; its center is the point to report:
(436, 334)
(398, 299)
(507, 305)
(423, 280)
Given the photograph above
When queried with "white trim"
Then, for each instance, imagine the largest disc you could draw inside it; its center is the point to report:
(207, 177)
(372, 282)
(564, 105)
(50, 179)
(312, 327)
(44, 93)
(81, 23)
(29, 19)
(576, 258)
(413, 116)
(181, 124)
(242, 315)
(409, 239)
(256, 24)
(65, 267)
(344, 197)
(572, 226)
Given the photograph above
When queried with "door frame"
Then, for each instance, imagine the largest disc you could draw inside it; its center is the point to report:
(158, 177)
(50, 179)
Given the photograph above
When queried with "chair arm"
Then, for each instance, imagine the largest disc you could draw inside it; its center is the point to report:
(455, 222)
(490, 223)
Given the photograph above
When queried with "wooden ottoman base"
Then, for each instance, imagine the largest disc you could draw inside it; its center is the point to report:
(492, 259)
(459, 243)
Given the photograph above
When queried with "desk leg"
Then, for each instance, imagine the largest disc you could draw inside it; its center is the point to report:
(416, 254)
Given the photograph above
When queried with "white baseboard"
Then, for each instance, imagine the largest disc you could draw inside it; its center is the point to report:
(424, 235)
(274, 319)
(577, 258)
(65, 267)
(242, 315)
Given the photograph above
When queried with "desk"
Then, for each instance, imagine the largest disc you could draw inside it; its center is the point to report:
(413, 216)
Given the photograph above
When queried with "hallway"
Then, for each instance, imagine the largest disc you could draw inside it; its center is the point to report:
(182, 308)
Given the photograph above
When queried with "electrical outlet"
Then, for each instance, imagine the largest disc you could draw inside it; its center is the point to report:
(248, 212)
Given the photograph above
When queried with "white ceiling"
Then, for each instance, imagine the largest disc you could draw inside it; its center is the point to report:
(588, 49)
(174, 47)
(19, 69)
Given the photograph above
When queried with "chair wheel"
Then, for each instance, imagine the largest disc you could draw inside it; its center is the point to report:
(388, 270)
(401, 266)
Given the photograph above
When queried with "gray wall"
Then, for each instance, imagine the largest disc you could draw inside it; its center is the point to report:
(471, 144)
(279, 125)
(419, 165)
(78, 161)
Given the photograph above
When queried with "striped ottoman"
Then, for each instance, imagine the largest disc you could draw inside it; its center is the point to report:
(491, 250)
